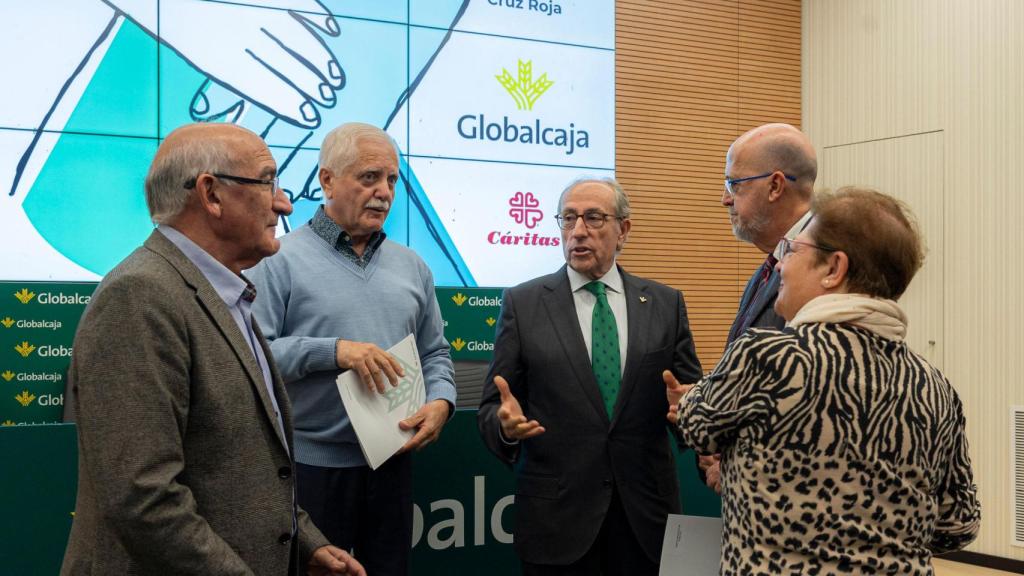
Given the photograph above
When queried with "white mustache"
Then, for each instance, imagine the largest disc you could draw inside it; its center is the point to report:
(378, 204)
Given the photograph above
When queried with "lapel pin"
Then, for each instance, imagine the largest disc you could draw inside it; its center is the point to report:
(643, 299)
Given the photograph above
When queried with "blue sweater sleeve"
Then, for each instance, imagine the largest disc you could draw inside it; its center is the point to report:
(295, 356)
(438, 372)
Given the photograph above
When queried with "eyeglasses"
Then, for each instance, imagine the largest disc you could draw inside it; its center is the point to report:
(730, 183)
(591, 218)
(274, 183)
(785, 247)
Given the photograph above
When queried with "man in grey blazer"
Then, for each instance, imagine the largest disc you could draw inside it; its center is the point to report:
(769, 180)
(575, 399)
(184, 427)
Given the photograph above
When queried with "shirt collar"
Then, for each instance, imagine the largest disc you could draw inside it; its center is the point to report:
(794, 230)
(335, 236)
(612, 279)
(226, 283)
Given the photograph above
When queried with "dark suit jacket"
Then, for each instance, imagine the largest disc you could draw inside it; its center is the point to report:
(182, 468)
(565, 476)
(762, 313)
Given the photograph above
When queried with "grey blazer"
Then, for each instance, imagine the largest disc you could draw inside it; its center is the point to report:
(182, 468)
(564, 477)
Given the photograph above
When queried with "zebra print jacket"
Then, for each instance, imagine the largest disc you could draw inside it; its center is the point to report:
(842, 450)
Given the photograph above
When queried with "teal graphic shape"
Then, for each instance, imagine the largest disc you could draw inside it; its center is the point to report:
(121, 97)
(89, 208)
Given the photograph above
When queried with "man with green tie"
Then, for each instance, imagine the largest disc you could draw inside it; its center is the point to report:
(575, 399)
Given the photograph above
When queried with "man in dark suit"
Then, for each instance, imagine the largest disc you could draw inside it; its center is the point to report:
(184, 427)
(769, 180)
(574, 397)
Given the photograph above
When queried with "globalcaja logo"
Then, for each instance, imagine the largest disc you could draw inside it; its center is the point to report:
(459, 298)
(7, 322)
(8, 422)
(24, 296)
(8, 375)
(24, 349)
(525, 92)
(458, 344)
(25, 398)
(524, 89)
(491, 322)
(524, 210)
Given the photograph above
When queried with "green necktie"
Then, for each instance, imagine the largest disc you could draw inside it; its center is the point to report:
(604, 347)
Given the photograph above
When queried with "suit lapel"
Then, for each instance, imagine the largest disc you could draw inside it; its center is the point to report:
(221, 317)
(638, 315)
(561, 308)
(765, 297)
(737, 327)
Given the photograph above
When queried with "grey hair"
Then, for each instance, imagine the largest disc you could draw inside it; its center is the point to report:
(339, 149)
(166, 195)
(621, 199)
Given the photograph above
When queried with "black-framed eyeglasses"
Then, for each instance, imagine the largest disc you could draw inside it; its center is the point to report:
(274, 183)
(785, 247)
(591, 219)
(730, 183)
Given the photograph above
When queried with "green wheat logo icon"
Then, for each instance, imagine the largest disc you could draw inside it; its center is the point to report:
(525, 90)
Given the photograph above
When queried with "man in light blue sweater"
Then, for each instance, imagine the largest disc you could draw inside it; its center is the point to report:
(335, 297)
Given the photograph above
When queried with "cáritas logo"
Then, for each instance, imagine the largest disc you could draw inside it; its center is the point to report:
(525, 209)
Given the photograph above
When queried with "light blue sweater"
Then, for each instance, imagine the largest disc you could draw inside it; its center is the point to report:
(310, 295)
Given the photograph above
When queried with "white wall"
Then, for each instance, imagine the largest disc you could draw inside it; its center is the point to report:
(925, 100)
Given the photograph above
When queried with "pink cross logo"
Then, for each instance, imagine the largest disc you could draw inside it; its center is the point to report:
(524, 209)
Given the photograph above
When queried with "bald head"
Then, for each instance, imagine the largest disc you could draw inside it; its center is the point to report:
(186, 152)
(772, 170)
(781, 147)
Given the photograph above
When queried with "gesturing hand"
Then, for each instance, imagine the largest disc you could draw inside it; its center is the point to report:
(674, 390)
(514, 425)
(374, 366)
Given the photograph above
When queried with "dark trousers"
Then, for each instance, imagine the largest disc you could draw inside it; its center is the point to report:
(368, 512)
(615, 551)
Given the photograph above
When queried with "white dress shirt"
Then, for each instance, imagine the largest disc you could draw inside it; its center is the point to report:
(585, 302)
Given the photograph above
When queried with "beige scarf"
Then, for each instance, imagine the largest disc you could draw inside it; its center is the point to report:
(883, 317)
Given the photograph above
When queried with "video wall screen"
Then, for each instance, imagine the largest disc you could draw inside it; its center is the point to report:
(495, 105)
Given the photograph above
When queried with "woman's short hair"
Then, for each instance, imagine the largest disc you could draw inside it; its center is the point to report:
(878, 234)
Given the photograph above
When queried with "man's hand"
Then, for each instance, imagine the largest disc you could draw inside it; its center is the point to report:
(711, 467)
(374, 366)
(429, 420)
(674, 390)
(513, 423)
(333, 560)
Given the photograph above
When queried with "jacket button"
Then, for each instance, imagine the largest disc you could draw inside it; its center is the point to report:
(284, 539)
(284, 472)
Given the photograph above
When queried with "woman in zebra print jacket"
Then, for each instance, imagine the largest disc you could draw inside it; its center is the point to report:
(842, 450)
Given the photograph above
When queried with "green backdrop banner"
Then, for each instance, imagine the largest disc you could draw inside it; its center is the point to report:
(37, 326)
(463, 495)
(463, 498)
(470, 316)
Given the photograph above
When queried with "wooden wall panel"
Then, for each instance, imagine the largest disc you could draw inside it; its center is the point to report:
(690, 77)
